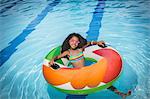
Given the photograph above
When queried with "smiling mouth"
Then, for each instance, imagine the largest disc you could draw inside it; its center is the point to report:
(73, 45)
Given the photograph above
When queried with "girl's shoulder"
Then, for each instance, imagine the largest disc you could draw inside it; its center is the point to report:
(81, 49)
(66, 52)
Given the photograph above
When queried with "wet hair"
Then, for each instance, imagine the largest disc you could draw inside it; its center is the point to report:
(65, 46)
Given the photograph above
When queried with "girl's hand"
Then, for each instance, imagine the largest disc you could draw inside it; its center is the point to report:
(51, 62)
(101, 43)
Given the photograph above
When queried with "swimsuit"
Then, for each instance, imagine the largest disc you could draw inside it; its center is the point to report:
(75, 58)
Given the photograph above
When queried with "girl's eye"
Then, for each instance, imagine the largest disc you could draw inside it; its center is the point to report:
(74, 41)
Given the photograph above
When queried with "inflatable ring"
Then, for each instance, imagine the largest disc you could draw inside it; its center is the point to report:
(105, 69)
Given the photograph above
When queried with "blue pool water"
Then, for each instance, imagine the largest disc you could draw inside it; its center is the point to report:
(29, 29)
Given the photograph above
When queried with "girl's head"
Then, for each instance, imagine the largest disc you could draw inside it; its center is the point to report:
(73, 41)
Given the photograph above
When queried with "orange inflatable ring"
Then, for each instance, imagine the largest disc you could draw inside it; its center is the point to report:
(106, 68)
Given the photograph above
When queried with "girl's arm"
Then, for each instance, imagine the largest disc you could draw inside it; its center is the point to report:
(88, 43)
(61, 55)
(102, 43)
(58, 57)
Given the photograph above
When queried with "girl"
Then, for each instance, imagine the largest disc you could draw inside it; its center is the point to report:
(73, 47)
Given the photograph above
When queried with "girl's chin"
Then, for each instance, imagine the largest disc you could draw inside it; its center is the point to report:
(73, 48)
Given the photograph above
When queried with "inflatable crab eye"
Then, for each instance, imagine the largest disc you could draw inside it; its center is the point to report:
(106, 68)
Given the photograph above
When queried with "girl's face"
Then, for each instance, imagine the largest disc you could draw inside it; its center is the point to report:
(74, 42)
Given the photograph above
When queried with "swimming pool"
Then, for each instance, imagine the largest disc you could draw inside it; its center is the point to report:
(29, 29)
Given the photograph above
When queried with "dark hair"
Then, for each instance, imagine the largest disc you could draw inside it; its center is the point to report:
(66, 45)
